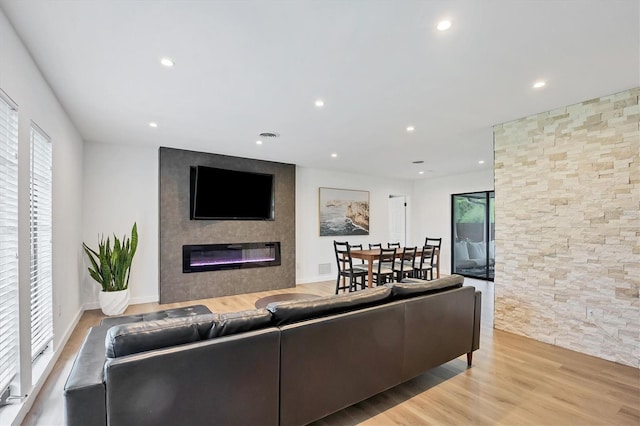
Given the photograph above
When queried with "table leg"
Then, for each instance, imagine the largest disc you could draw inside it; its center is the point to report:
(370, 273)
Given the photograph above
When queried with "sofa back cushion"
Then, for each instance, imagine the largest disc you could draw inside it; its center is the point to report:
(294, 311)
(414, 287)
(460, 251)
(126, 339)
(477, 250)
(186, 311)
(239, 322)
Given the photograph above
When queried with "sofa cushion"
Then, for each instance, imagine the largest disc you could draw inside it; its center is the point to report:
(477, 250)
(410, 287)
(126, 339)
(240, 322)
(460, 251)
(294, 311)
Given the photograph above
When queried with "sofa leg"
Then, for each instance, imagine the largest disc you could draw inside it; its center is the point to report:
(469, 358)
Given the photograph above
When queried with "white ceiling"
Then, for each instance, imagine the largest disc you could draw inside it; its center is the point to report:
(245, 67)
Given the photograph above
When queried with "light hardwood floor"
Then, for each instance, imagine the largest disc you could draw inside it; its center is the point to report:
(514, 380)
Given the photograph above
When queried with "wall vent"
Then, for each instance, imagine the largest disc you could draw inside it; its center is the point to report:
(324, 268)
(269, 135)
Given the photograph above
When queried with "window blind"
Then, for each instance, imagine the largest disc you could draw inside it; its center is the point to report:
(41, 251)
(8, 242)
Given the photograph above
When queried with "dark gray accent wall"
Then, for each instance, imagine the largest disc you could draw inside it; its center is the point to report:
(176, 230)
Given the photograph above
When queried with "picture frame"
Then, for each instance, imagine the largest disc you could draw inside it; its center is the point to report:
(343, 212)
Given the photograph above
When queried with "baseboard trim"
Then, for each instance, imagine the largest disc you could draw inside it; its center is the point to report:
(316, 279)
(133, 301)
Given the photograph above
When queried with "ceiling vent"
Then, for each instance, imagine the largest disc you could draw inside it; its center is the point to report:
(269, 135)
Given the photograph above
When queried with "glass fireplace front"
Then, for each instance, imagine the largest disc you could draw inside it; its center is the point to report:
(213, 257)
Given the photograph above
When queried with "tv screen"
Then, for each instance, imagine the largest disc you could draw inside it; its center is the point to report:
(220, 194)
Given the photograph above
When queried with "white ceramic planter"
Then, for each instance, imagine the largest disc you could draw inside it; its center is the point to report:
(114, 302)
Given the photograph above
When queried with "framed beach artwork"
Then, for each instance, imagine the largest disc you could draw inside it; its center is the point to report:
(343, 212)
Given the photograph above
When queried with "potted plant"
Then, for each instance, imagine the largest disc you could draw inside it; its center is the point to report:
(111, 267)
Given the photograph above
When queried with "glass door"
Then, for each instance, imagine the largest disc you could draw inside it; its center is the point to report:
(473, 234)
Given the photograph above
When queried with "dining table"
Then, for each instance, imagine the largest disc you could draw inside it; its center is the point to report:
(372, 255)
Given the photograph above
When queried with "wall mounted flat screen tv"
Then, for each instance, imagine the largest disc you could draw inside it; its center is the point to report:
(221, 194)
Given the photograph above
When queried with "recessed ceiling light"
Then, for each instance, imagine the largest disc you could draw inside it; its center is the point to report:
(319, 103)
(334, 155)
(444, 25)
(481, 162)
(420, 172)
(538, 84)
(153, 124)
(258, 142)
(167, 62)
(410, 129)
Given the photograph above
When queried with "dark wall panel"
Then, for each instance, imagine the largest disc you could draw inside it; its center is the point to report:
(177, 230)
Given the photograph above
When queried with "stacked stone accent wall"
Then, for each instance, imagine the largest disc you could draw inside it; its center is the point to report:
(567, 188)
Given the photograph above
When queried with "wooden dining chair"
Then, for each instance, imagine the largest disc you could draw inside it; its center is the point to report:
(393, 245)
(436, 243)
(405, 265)
(386, 263)
(425, 264)
(346, 269)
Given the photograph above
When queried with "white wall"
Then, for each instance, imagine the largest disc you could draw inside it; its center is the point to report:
(22, 81)
(113, 201)
(432, 207)
(313, 250)
(120, 188)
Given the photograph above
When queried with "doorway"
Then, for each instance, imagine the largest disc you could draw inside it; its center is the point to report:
(473, 234)
(398, 219)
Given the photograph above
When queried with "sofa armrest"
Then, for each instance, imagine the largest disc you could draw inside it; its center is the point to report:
(476, 321)
(84, 392)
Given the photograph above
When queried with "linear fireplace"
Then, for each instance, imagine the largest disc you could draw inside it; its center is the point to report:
(214, 257)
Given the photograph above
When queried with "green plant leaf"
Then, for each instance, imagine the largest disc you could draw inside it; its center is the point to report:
(111, 266)
(132, 250)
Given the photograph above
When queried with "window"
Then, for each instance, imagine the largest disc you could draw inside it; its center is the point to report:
(40, 232)
(8, 241)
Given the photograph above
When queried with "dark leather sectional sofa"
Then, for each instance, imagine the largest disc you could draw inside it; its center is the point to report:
(289, 364)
